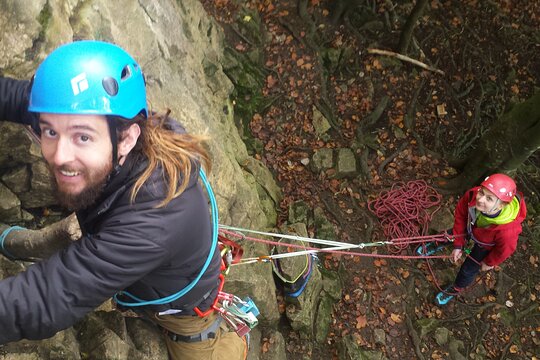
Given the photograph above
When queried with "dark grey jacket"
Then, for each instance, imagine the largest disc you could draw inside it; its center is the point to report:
(150, 252)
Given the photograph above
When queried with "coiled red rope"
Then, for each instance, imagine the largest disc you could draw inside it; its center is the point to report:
(405, 211)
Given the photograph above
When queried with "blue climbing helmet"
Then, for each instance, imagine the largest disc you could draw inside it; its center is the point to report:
(89, 77)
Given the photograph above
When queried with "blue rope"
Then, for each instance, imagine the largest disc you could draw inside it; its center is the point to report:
(184, 291)
(3, 238)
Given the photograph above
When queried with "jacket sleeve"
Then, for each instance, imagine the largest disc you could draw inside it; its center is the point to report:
(505, 245)
(460, 220)
(14, 101)
(52, 295)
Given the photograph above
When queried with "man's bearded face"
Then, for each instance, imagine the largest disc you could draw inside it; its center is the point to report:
(78, 151)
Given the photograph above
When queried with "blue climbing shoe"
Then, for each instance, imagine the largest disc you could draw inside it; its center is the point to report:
(429, 249)
(446, 295)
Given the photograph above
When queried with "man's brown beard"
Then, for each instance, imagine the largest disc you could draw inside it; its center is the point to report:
(88, 196)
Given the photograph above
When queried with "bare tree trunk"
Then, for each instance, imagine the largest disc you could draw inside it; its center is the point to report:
(340, 7)
(504, 147)
(40, 244)
(408, 28)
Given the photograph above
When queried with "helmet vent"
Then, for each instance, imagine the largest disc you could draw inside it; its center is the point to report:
(110, 85)
(126, 73)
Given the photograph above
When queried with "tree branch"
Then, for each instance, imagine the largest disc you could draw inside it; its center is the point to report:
(405, 58)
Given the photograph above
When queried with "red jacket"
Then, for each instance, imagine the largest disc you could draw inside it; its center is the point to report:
(501, 239)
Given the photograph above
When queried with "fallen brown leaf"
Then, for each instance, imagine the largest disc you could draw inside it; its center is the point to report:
(361, 321)
(396, 318)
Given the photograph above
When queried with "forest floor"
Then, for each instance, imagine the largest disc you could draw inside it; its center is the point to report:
(412, 124)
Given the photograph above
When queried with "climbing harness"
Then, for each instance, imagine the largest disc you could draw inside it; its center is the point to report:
(206, 334)
(241, 315)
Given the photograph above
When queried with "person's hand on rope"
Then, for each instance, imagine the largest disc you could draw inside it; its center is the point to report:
(456, 255)
(486, 267)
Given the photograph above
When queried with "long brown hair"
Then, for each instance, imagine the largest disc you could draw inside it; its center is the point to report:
(173, 152)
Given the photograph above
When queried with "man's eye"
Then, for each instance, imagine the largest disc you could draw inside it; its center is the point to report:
(85, 138)
(49, 132)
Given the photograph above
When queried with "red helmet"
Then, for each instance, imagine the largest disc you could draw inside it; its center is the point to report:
(502, 186)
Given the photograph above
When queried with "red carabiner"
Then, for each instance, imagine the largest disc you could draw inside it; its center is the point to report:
(214, 304)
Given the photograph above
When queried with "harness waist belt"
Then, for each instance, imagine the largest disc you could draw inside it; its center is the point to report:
(209, 333)
(479, 242)
(188, 306)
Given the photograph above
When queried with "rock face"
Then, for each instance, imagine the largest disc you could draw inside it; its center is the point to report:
(180, 50)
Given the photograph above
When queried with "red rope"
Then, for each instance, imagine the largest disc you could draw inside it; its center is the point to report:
(403, 257)
(353, 253)
(403, 211)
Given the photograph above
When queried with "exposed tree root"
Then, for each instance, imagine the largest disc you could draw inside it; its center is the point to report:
(375, 115)
(235, 29)
(366, 216)
(477, 310)
(410, 24)
(415, 338)
(501, 288)
(478, 339)
(391, 157)
(531, 309)
(513, 338)
(333, 209)
(362, 158)
(324, 104)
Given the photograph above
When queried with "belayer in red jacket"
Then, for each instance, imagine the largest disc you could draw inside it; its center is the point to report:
(490, 215)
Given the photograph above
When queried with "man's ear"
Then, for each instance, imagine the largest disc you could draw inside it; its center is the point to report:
(129, 140)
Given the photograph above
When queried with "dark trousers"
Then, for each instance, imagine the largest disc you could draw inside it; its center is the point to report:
(470, 268)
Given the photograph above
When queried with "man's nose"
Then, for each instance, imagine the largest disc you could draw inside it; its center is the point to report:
(64, 152)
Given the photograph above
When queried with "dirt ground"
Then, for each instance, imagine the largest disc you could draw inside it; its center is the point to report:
(405, 123)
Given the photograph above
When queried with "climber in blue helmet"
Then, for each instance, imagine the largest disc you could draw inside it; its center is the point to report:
(131, 176)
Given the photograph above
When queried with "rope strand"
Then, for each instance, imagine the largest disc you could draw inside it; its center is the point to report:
(306, 249)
